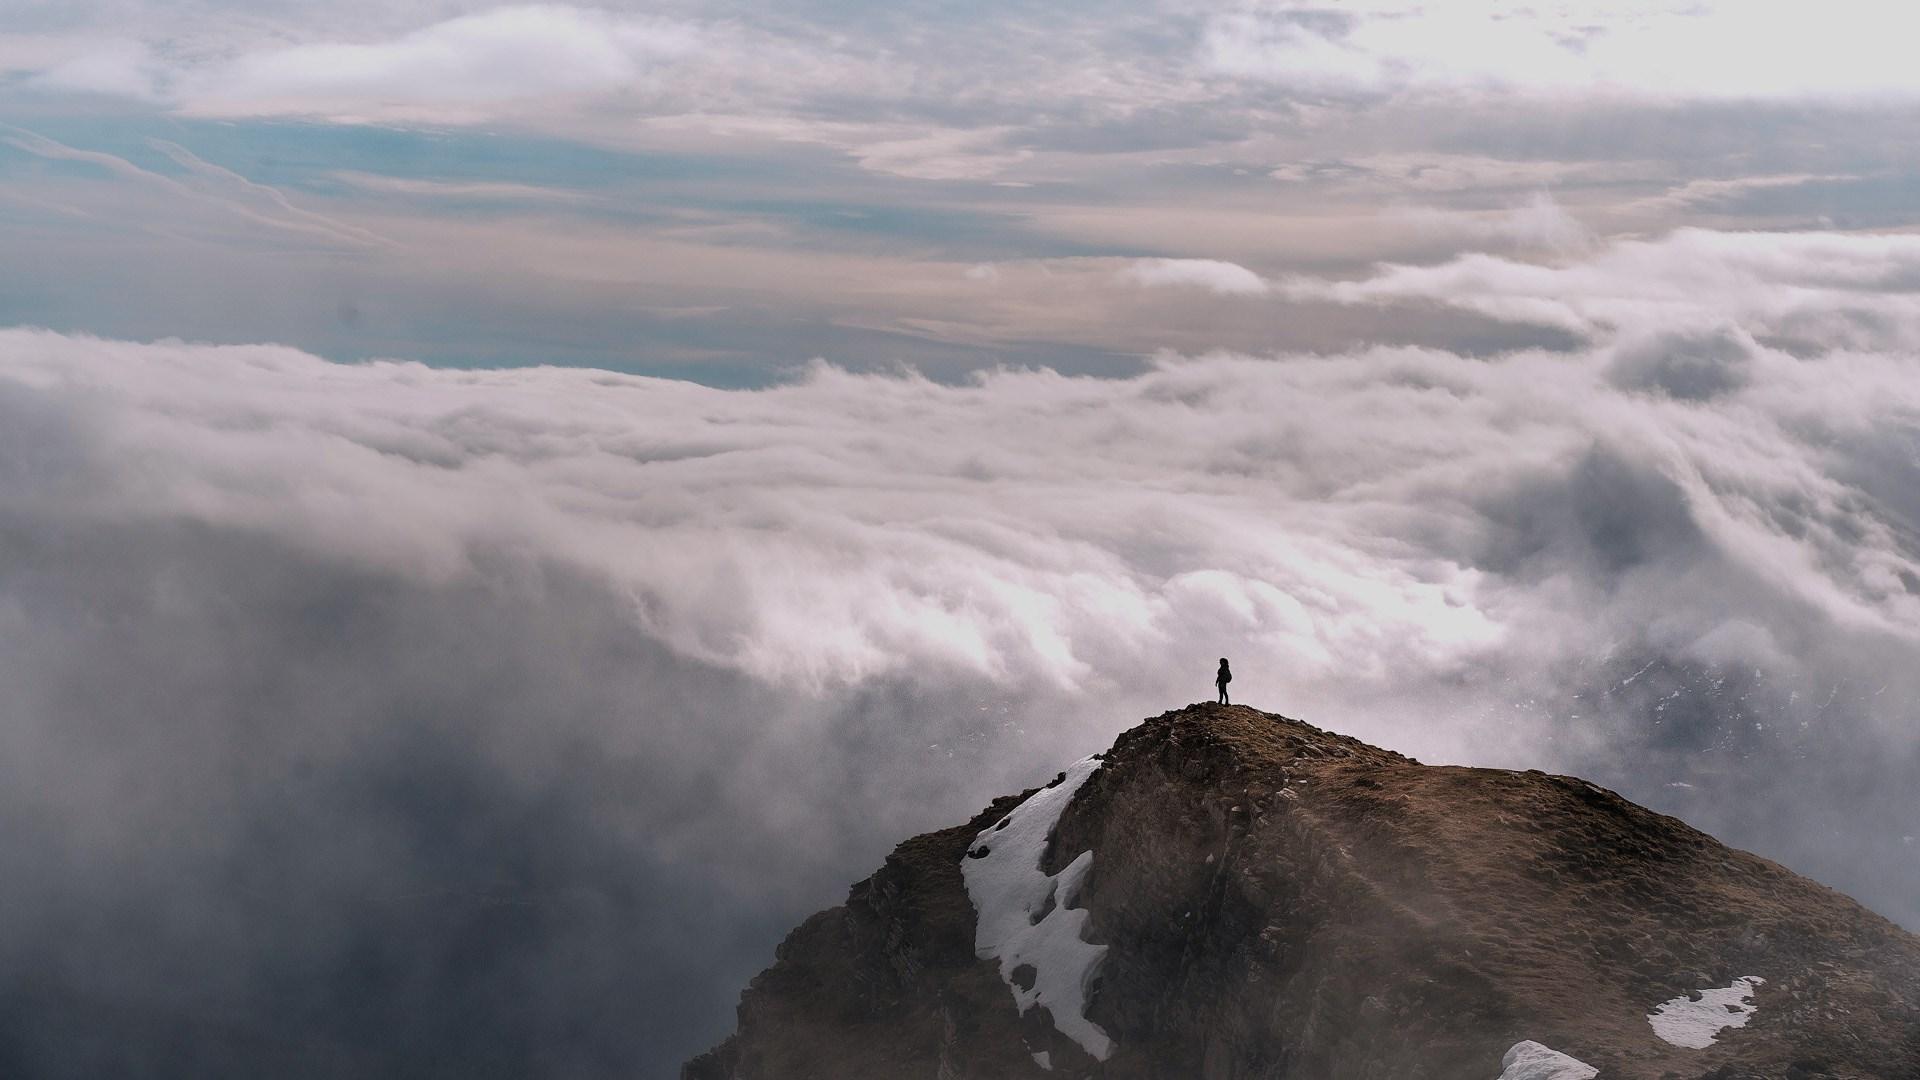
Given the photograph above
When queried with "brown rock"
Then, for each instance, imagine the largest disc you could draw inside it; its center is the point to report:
(1370, 917)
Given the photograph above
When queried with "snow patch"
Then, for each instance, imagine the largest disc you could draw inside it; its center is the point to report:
(1027, 918)
(1696, 1024)
(1528, 1060)
(1043, 1059)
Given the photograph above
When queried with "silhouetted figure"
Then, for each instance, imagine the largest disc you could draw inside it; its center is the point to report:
(1222, 679)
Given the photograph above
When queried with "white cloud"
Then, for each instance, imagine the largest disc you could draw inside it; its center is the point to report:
(1213, 275)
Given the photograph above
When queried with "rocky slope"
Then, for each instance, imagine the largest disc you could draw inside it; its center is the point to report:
(1232, 894)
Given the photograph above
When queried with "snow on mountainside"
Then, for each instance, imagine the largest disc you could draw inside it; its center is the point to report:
(1696, 1021)
(1528, 1060)
(1232, 894)
(1027, 919)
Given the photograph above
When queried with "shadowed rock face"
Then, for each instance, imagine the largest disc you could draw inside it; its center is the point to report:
(1278, 901)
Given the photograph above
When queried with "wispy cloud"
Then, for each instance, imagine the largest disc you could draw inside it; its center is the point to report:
(221, 189)
(282, 211)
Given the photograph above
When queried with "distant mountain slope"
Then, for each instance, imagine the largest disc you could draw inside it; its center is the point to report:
(1232, 894)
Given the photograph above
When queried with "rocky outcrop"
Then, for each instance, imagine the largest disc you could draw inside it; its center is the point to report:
(1278, 901)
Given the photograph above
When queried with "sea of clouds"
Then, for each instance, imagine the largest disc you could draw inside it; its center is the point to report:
(440, 720)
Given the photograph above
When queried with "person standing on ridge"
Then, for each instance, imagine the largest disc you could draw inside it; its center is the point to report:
(1222, 679)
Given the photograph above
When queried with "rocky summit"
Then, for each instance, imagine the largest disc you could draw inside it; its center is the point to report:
(1228, 893)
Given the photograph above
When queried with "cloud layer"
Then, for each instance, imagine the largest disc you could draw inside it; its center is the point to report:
(348, 691)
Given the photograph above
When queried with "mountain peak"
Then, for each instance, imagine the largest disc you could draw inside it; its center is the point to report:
(1232, 893)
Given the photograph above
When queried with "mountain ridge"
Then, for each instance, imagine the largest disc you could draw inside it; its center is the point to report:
(1268, 899)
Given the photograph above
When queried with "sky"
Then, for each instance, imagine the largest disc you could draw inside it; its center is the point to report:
(504, 510)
